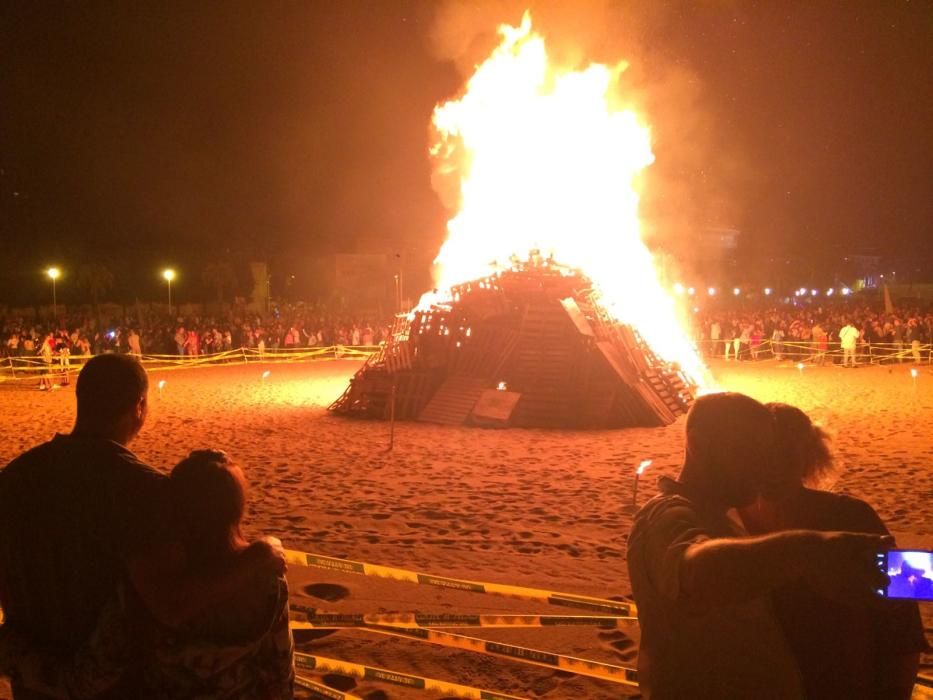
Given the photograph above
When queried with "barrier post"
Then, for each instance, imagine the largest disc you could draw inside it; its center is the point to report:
(392, 412)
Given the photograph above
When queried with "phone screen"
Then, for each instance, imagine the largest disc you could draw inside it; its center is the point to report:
(910, 572)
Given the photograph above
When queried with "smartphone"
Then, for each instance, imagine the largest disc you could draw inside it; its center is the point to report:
(910, 572)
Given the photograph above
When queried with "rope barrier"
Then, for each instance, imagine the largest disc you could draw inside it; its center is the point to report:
(535, 657)
(323, 692)
(866, 353)
(316, 620)
(569, 600)
(162, 363)
(312, 662)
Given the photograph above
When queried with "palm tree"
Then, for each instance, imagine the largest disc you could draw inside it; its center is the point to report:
(97, 279)
(221, 277)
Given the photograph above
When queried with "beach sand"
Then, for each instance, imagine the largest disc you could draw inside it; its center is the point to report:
(525, 507)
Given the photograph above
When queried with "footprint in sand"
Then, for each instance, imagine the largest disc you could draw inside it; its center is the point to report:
(331, 592)
(543, 686)
(623, 645)
(343, 683)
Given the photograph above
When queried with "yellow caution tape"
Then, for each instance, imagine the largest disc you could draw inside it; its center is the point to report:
(311, 662)
(569, 600)
(323, 692)
(35, 364)
(317, 620)
(583, 667)
(873, 353)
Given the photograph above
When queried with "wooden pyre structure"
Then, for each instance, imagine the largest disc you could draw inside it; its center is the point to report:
(529, 347)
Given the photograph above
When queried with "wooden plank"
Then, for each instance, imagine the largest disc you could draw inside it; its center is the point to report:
(494, 408)
(576, 316)
(617, 362)
(453, 401)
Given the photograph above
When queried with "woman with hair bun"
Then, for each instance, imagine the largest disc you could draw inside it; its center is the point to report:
(866, 648)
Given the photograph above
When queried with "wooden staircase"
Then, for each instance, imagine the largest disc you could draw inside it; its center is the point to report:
(453, 401)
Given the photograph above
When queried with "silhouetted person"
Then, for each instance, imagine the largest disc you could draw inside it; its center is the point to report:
(702, 585)
(80, 514)
(910, 582)
(239, 648)
(865, 647)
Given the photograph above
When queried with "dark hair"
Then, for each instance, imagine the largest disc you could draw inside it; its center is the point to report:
(729, 440)
(803, 453)
(108, 387)
(209, 497)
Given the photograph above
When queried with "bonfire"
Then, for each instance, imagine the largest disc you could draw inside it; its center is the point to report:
(529, 346)
(547, 310)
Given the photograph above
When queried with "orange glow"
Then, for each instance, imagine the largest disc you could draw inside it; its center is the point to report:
(547, 162)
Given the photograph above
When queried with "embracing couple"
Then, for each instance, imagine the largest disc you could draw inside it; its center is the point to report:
(117, 581)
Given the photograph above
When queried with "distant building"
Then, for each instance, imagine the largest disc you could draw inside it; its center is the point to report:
(717, 241)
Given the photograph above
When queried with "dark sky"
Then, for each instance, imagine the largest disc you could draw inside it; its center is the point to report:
(161, 132)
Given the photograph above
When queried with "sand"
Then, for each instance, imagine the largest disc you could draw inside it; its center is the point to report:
(526, 507)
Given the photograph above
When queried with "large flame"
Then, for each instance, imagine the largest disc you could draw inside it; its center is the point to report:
(546, 163)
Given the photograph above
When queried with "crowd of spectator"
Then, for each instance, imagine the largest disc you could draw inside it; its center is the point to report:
(747, 334)
(162, 334)
(815, 332)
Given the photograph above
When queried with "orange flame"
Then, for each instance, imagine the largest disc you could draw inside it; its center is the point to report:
(546, 163)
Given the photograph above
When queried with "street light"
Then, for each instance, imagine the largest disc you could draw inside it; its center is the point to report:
(168, 275)
(54, 273)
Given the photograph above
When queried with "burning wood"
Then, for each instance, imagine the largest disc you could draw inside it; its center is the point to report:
(539, 330)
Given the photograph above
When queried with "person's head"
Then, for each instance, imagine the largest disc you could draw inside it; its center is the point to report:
(111, 393)
(729, 443)
(209, 498)
(801, 449)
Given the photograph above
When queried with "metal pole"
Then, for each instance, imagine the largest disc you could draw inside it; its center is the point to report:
(392, 414)
(632, 508)
(169, 296)
(54, 301)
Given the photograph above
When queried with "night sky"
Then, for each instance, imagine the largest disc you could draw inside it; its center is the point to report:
(151, 133)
